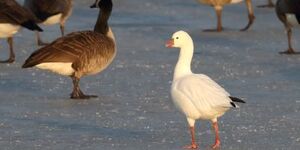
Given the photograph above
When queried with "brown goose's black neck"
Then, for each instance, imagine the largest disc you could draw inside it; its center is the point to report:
(102, 21)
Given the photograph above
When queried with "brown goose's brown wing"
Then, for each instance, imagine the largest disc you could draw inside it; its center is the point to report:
(288, 6)
(70, 48)
(294, 6)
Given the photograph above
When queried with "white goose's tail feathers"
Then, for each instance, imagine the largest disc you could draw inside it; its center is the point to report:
(235, 99)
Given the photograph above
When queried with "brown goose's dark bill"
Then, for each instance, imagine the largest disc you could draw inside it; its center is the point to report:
(93, 6)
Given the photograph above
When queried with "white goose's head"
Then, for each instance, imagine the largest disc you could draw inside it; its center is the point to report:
(179, 39)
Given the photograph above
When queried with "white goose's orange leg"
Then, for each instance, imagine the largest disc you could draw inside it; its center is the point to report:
(193, 144)
(217, 140)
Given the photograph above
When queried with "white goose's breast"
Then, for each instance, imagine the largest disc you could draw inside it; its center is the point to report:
(292, 20)
(183, 104)
(8, 30)
(188, 105)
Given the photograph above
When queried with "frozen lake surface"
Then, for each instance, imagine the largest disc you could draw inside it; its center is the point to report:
(134, 110)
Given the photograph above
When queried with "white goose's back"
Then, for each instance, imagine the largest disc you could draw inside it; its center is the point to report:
(199, 97)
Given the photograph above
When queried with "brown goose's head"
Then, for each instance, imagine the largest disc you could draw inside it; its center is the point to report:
(103, 4)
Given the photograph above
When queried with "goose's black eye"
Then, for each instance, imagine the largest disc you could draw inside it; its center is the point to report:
(177, 38)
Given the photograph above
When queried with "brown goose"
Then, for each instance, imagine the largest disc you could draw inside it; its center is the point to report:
(12, 17)
(79, 53)
(218, 6)
(288, 12)
(270, 4)
(49, 12)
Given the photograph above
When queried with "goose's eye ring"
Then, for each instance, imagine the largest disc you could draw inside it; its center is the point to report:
(177, 38)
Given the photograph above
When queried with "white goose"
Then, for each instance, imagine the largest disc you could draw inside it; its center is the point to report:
(197, 95)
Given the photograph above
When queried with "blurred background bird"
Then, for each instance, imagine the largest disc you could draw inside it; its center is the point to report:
(12, 17)
(50, 12)
(79, 53)
(218, 6)
(288, 12)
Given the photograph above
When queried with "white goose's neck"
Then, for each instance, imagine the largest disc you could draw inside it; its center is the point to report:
(183, 66)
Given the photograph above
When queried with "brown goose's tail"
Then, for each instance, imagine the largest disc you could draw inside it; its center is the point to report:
(31, 25)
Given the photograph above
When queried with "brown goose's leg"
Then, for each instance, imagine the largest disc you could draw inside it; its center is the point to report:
(290, 50)
(62, 28)
(269, 5)
(39, 40)
(250, 15)
(219, 28)
(11, 58)
(77, 93)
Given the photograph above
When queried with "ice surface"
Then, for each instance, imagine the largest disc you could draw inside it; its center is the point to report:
(134, 109)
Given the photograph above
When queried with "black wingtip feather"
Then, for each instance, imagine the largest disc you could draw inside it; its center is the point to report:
(31, 25)
(233, 104)
(235, 99)
(27, 64)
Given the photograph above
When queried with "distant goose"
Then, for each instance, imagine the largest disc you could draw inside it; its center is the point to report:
(288, 12)
(218, 6)
(270, 4)
(12, 17)
(79, 53)
(197, 95)
(49, 12)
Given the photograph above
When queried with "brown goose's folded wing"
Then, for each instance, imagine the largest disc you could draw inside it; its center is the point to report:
(69, 48)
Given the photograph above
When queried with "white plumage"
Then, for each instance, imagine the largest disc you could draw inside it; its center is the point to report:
(8, 30)
(53, 19)
(292, 20)
(196, 95)
(65, 69)
(208, 99)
